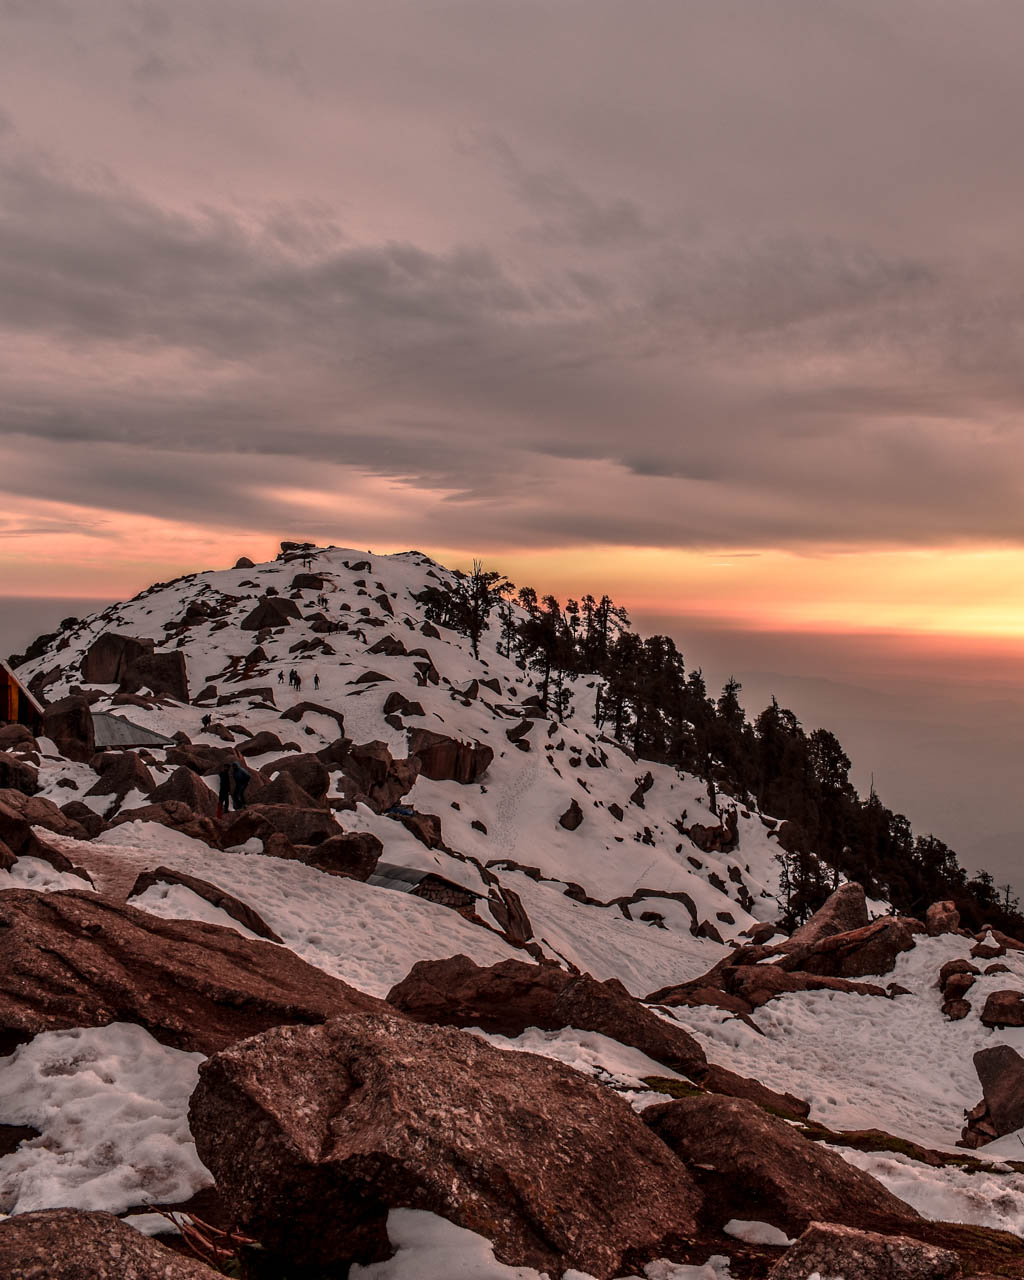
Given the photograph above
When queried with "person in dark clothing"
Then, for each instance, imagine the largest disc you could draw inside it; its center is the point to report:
(207, 720)
(316, 680)
(298, 683)
(239, 781)
(280, 677)
(224, 795)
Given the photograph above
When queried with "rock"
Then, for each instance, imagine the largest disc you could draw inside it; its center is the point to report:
(69, 723)
(942, 917)
(721, 839)
(82, 816)
(954, 966)
(300, 709)
(426, 827)
(722, 1080)
(18, 775)
(271, 611)
(200, 758)
(163, 673)
(760, 1168)
(184, 786)
(18, 840)
(997, 968)
(76, 959)
(987, 950)
(307, 771)
(398, 704)
(313, 1134)
(243, 562)
(857, 953)
(746, 987)
(246, 916)
(37, 811)
(955, 1008)
(283, 790)
(1003, 940)
(830, 1251)
(957, 985)
(17, 737)
(844, 911)
(301, 826)
(507, 908)
(1001, 1072)
(372, 776)
(176, 816)
(353, 853)
(108, 658)
(121, 772)
(572, 817)
(448, 759)
(1003, 1009)
(508, 997)
(308, 582)
(261, 744)
(73, 1244)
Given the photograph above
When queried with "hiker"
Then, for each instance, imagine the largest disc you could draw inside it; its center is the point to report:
(316, 679)
(239, 781)
(298, 682)
(224, 795)
(280, 677)
(293, 678)
(207, 720)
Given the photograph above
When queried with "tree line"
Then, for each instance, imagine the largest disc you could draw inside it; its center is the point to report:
(649, 701)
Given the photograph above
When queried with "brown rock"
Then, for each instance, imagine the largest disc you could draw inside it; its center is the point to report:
(828, 1250)
(260, 744)
(997, 968)
(507, 908)
(17, 737)
(271, 611)
(955, 1008)
(573, 816)
(722, 1080)
(426, 827)
(762, 1169)
(69, 723)
(108, 658)
(372, 776)
(75, 959)
(307, 771)
(72, 1244)
(283, 790)
(37, 811)
(1001, 1072)
(1003, 1009)
(82, 816)
(121, 772)
(185, 786)
(957, 985)
(18, 775)
(246, 916)
(508, 997)
(162, 673)
(177, 816)
(955, 966)
(843, 912)
(353, 853)
(313, 1134)
(300, 825)
(18, 840)
(942, 917)
(858, 953)
(448, 759)
(720, 839)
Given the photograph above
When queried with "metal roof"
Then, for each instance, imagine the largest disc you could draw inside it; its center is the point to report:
(34, 702)
(116, 731)
(389, 875)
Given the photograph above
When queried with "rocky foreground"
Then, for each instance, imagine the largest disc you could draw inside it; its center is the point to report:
(463, 990)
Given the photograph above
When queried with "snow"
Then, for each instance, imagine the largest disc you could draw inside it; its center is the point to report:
(431, 1248)
(34, 873)
(756, 1232)
(616, 1065)
(112, 1107)
(176, 902)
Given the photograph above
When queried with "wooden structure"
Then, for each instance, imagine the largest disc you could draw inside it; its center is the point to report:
(423, 884)
(17, 705)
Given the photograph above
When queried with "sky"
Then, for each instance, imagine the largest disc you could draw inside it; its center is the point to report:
(716, 306)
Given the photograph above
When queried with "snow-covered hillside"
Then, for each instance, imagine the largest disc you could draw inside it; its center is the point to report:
(648, 886)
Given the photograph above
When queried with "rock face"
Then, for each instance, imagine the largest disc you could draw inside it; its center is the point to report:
(508, 997)
(447, 759)
(843, 912)
(164, 673)
(109, 657)
(828, 1251)
(762, 1169)
(314, 1133)
(1001, 1110)
(71, 1244)
(942, 917)
(69, 723)
(184, 786)
(75, 959)
(860, 952)
(372, 776)
(1004, 1009)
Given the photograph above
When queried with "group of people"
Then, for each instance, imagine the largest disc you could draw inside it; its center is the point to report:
(295, 680)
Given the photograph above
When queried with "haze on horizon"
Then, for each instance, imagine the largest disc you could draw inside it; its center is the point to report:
(713, 306)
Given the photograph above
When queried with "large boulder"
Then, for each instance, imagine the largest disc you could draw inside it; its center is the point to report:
(69, 723)
(261, 743)
(313, 1134)
(508, 997)
(307, 771)
(445, 759)
(1003, 1009)
(755, 1166)
(176, 816)
(373, 777)
(120, 773)
(37, 811)
(283, 790)
(185, 786)
(354, 854)
(941, 917)
(857, 953)
(271, 611)
(300, 825)
(1001, 1072)
(76, 959)
(18, 840)
(830, 1252)
(844, 911)
(108, 658)
(75, 1244)
(18, 775)
(572, 817)
(163, 673)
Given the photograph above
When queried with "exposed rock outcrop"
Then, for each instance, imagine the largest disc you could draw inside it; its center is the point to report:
(69, 723)
(313, 1134)
(448, 759)
(227, 902)
(941, 917)
(1001, 1109)
(827, 1250)
(844, 911)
